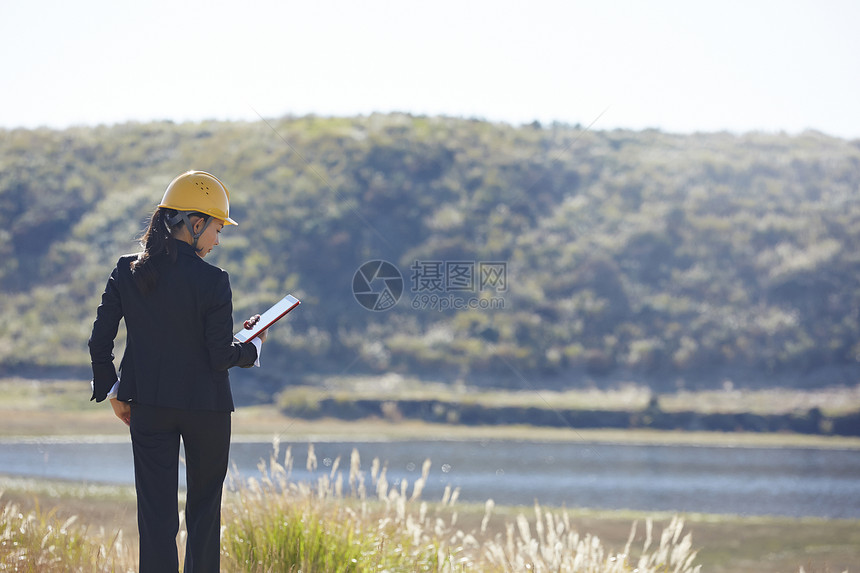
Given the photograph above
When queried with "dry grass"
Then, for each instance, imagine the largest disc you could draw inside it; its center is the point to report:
(19, 394)
(62, 408)
(831, 401)
(630, 396)
(271, 523)
(386, 528)
(39, 541)
(728, 544)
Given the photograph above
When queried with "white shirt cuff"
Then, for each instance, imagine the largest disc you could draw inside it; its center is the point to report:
(256, 342)
(113, 390)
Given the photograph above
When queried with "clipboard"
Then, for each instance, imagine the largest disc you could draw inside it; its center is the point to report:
(277, 311)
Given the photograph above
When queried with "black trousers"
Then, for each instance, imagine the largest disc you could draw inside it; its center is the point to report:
(155, 434)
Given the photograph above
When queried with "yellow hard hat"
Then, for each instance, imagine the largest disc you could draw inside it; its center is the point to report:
(201, 192)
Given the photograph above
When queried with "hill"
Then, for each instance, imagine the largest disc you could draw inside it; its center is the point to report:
(547, 256)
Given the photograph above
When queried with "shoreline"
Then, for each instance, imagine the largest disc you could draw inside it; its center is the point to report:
(266, 423)
(53, 409)
(597, 437)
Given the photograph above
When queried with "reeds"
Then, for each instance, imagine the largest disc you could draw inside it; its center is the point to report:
(274, 524)
(349, 521)
(38, 542)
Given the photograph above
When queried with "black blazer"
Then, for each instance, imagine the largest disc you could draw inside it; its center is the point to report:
(180, 336)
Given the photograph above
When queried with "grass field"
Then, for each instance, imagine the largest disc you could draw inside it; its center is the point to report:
(725, 543)
(831, 401)
(31, 408)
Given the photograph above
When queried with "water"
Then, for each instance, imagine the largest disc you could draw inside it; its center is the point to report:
(793, 482)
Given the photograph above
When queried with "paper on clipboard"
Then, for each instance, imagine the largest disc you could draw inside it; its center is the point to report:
(268, 318)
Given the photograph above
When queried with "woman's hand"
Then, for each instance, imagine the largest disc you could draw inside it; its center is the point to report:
(251, 322)
(122, 410)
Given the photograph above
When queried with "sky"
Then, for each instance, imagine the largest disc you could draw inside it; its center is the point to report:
(678, 66)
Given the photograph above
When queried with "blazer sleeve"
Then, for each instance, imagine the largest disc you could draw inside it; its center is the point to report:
(224, 351)
(101, 340)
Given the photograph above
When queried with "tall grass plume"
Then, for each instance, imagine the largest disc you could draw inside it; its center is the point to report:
(346, 519)
(362, 523)
(39, 542)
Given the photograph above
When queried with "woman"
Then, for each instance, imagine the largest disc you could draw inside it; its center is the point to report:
(173, 379)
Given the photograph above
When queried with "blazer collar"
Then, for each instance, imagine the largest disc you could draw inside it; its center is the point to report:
(184, 248)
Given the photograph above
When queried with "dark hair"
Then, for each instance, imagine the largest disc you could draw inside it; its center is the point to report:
(158, 244)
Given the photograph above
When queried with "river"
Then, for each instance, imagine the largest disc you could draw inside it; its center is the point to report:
(796, 482)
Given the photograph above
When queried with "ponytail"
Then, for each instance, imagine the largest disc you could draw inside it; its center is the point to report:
(158, 243)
